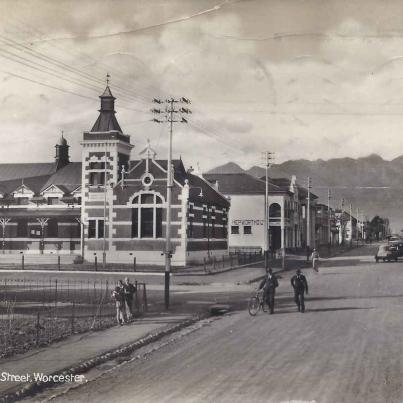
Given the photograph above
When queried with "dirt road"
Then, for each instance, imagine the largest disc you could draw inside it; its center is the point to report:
(347, 347)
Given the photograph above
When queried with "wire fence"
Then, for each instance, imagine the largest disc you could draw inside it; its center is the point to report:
(39, 312)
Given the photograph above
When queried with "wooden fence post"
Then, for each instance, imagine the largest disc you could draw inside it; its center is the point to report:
(145, 298)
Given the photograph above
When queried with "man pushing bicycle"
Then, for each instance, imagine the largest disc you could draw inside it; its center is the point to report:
(269, 285)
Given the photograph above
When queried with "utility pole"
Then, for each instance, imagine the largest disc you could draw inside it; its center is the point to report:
(363, 226)
(267, 161)
(308, 218)
(329, 232)
(357, 231)
(342, 221)
(351, 224)
(169, 115)
(104, 229)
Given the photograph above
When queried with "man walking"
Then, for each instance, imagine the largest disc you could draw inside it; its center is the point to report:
(300, 285)
(129, 290)
(269, 285)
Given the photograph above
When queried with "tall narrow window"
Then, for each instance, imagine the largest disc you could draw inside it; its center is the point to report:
(95, 229)
(147, 216)
(158, 224)
(190, 227)
(147, 223)
(135, 223)
(97, 173)
(92, 227)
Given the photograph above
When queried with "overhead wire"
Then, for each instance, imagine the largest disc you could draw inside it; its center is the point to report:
(85, 80)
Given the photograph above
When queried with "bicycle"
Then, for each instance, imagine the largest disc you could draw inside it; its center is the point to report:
(256, 303)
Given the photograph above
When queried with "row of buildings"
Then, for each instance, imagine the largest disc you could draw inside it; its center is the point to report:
(110, 204)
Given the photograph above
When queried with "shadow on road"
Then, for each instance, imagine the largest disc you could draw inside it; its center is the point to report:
(353, 297)
(344, 308)
(341, 262)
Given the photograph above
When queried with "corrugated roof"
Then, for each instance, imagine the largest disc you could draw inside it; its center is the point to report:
(209, 194)
(240, 183)
(285, 183)
(67, 178)
(18, 171)
(35, 184)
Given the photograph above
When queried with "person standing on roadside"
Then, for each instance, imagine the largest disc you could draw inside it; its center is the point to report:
(269, 285)
(118, 297)
(129, 290)
(300, 286)
(315, 260)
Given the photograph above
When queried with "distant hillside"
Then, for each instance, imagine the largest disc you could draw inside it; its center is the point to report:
(371, 183)
(228, 168)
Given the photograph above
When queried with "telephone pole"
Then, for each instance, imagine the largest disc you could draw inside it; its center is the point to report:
(267, 161)
(329, 232)
(357, 228)
(171, 114)
(342, 221)
(308, 217)
(351, 224)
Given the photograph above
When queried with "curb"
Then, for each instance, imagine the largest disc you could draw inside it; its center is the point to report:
(30, 389)
(212, 273)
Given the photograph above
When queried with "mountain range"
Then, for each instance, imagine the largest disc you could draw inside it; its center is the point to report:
(372, 184)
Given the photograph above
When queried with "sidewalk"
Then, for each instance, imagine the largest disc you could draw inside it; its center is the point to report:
(83, 349)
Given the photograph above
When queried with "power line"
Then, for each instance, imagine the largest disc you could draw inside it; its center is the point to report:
(141, 98)
(41, 68)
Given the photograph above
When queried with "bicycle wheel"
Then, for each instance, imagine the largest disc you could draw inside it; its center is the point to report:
(253, 306)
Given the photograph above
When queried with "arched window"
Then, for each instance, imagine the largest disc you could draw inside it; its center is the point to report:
(147, 216)
(275, 210)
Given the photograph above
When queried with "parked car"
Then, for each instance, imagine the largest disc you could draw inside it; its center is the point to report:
(386, 253)
(396, 247)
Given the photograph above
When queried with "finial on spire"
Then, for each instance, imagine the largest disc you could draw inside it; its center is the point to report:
(107, 78)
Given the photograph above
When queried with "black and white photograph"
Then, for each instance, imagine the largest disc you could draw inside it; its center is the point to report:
(201, 201)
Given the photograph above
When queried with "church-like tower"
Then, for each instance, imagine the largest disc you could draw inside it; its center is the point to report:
(105, 150)
(62, 153)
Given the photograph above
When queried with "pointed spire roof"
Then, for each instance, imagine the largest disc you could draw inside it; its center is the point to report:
(107, 93)
(107, 120)
(62, 140)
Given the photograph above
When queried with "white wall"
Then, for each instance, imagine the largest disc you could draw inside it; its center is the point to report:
(247, 210)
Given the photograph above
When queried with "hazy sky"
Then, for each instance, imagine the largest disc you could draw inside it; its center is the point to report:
(305, 79)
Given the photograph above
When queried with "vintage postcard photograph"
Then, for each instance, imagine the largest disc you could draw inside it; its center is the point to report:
(201, 201)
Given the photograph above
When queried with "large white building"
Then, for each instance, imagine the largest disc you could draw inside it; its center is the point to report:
(286, 209)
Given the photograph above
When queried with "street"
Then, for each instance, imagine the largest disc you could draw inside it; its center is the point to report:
(347, 347)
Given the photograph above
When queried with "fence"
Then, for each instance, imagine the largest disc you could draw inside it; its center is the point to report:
(39, 312)
(216, 264)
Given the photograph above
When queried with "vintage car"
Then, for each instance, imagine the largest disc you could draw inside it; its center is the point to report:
(396, 247)
(386, 253)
